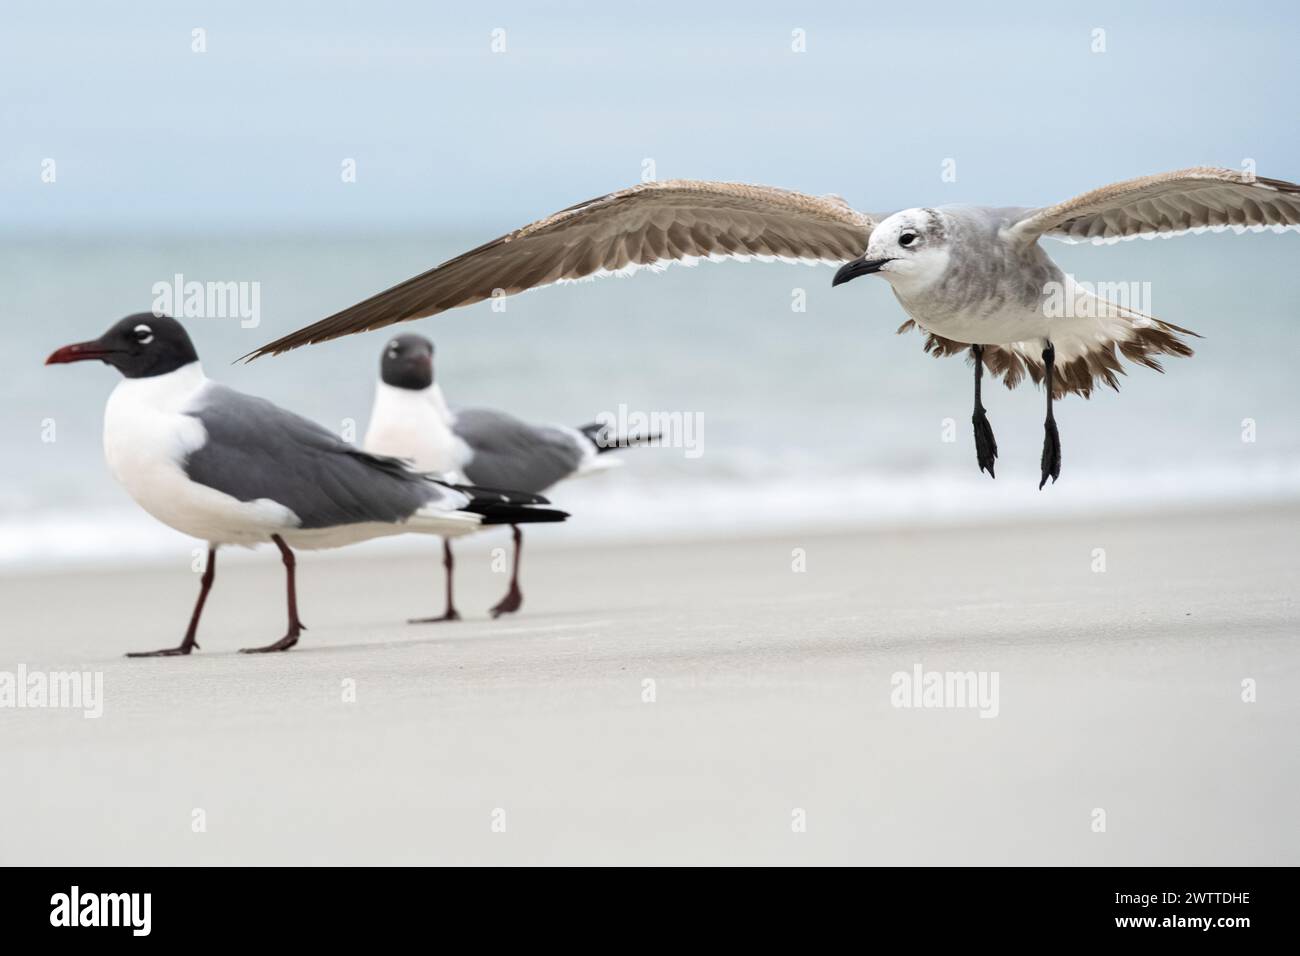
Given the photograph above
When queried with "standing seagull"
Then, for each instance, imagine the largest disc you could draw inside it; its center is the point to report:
(411, 420)
(232, 469)
(968, 276)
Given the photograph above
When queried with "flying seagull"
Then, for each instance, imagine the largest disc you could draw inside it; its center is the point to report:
(411, 420)
(970, 278)
(229, 468)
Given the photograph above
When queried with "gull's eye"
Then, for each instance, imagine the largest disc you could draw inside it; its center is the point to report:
(143, 334)
(907, 238)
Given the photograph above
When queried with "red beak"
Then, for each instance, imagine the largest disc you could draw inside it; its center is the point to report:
(80, 352)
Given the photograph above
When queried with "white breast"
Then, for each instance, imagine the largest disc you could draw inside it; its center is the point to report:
(147, 437)
(1009, 323)
(416, 425)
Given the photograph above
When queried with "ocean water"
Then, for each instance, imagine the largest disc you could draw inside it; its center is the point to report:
(821, 417)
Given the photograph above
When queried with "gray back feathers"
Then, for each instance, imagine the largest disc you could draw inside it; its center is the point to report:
(986, 271)
(255, 450)
(509, 453)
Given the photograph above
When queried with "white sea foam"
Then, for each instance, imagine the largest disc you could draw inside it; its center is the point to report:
(630, 508)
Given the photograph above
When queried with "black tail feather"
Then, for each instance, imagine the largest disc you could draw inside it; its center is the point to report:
(497, 513)
(498, 506)
(499, 495)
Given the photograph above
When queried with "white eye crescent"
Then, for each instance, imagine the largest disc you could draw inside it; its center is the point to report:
(143, 334)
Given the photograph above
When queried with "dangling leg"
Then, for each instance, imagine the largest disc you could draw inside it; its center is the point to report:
(1051, 440)
(296, 626)
(189, 643)
(448, 562)
(514, 598)
(986, 446)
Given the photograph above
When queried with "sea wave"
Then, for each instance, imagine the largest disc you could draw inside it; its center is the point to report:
(634, 508)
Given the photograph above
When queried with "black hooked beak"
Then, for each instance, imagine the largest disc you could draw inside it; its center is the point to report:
(858, 267)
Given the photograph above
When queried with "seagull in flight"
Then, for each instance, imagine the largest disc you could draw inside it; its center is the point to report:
(486, 447)
(971, 279)
(228, 468)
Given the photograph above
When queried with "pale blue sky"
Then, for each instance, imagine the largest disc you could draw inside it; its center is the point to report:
(249, 136)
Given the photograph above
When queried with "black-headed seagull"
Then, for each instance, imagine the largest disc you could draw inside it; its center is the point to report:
(229, 468)
(411, 420)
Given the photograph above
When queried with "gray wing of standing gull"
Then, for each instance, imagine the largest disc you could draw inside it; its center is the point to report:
(645, 226)
(256, 449)
(509, 453)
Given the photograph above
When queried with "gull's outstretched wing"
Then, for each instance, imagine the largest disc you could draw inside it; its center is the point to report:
(649, 225)
(1170, 204)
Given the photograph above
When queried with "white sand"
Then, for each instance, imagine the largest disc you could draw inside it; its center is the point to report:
(1118, 690)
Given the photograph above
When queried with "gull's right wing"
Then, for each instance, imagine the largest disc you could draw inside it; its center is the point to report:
(646, 226)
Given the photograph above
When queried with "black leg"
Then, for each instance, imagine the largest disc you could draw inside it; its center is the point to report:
(514, 598)
(448, 562)
(189, 642)
(296, 626)
(1051, 440)
(986, 446)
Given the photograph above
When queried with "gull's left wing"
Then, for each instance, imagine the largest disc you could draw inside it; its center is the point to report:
(1169, 204)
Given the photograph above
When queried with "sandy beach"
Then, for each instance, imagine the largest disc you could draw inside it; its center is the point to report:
(771, 696)
(772, 736)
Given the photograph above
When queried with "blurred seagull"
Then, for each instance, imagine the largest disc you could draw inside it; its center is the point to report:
(233, 469)
(971, 278)
(411, 420)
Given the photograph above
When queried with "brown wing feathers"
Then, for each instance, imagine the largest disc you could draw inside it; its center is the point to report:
(641, 226)
(1101, 365)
